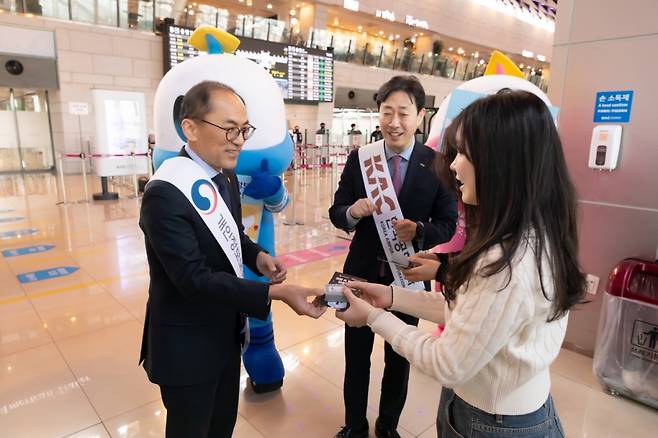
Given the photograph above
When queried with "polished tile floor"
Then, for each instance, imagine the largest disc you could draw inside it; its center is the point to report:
(69, 344)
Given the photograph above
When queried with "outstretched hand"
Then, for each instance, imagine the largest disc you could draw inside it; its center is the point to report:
(424, 267)
(357, 313)
(296, 297)
(378, 295)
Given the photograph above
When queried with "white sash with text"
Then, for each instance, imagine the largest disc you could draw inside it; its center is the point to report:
(379, 189)
(193, 182)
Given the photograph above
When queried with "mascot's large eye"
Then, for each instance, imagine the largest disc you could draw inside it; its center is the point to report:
(177, 106)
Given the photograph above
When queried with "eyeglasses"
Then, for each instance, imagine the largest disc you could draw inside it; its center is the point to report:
(233, 133)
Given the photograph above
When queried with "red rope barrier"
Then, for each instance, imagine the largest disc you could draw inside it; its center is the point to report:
(82, 155)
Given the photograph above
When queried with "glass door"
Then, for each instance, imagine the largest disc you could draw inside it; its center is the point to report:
(10, 160)
(26, 143)
(33, 122)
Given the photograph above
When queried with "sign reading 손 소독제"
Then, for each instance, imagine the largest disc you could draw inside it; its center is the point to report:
(613, 106)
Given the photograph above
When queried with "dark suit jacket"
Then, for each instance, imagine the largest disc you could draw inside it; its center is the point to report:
(193, 321)
(422, 198)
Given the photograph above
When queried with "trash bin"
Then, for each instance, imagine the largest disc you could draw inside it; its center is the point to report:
(626, 352)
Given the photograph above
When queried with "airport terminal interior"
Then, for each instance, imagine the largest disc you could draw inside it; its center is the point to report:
(80, 128)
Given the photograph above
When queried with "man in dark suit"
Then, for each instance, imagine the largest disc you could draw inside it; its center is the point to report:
(298, 137)
(430, 217)
(376, 135)
(197, 304)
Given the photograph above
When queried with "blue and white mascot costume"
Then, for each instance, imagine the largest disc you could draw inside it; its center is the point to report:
(264, 157)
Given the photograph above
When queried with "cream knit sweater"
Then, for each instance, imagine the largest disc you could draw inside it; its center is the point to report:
(497, 344)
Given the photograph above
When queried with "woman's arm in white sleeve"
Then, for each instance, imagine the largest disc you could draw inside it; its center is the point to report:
(483, 320)
(421, 304)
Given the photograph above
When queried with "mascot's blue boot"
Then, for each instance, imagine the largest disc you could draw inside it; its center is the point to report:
(261, 359)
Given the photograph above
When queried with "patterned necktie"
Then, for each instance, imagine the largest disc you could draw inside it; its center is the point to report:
(396, 176)
(222, 185)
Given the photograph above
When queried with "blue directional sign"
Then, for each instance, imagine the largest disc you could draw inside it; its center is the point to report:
(613, 106)
(27, 250)
(46, 274)
(6, 220)
(18, 233)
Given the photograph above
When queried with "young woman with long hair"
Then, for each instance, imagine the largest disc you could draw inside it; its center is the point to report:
(509, 291)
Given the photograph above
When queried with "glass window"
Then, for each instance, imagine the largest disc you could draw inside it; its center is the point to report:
(212, 16)
(164, 8)
(54, 8)
(99, 11)
(342, 44)
(277, 30)
(244, 25)
(321, 37)
(135, 14)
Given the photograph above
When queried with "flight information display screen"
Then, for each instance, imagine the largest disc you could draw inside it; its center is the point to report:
(303, 74)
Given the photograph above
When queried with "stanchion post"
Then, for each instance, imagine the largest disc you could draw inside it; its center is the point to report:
(300, 221)
(60, 172)
(67, 228)
(303, 149)
(84, 176)
(291, 195)
(334, 181)
(334, 177)
(330, 183)
(135, 186)
(149, 162)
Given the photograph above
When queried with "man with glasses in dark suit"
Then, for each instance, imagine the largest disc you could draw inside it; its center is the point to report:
(198, 303)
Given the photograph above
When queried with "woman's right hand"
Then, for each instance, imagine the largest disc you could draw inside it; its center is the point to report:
(425, 267)
(379, 295)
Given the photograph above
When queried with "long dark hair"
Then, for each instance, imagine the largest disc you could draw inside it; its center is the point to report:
(445, 156)
(523, 186)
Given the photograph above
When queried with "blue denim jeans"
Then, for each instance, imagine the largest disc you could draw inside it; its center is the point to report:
(458, 419)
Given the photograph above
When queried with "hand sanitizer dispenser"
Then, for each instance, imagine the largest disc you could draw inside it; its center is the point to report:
(604, 149)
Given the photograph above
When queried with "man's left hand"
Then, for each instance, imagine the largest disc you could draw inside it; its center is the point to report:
(405, 229)
(271, 267)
